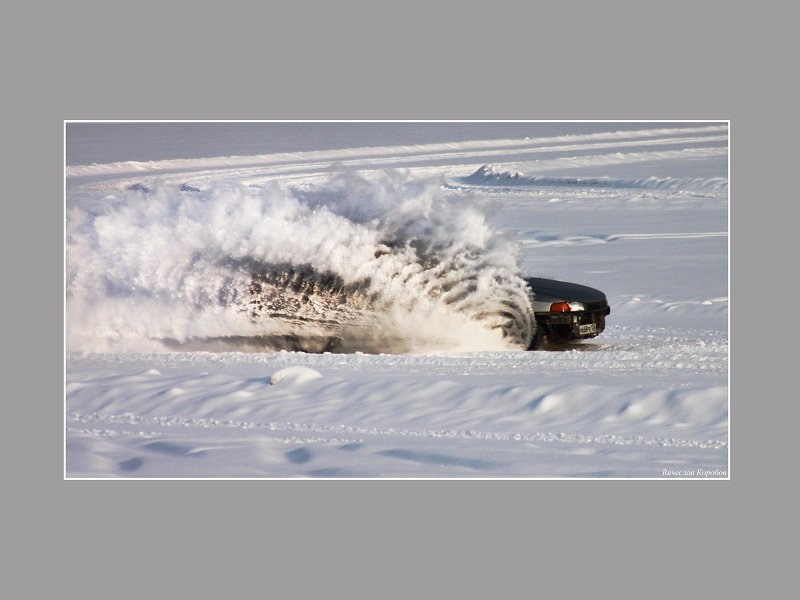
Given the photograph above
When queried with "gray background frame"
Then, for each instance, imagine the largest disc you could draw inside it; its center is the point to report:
(391, 538)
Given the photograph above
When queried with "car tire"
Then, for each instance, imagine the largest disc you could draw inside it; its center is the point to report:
(537, 340)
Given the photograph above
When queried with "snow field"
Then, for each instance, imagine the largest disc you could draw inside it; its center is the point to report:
(639, 214)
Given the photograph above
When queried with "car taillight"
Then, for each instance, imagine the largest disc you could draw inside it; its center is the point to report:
(563, 307)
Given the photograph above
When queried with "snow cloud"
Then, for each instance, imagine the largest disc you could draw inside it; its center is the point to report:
(172, 265)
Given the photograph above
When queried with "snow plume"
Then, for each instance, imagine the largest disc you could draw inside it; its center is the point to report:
(388, 264)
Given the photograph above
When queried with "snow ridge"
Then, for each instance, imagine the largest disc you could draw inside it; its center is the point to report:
(491, 175)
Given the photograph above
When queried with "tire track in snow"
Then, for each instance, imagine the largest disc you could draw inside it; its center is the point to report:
(271, 166)
(175, 425)
(541, 239)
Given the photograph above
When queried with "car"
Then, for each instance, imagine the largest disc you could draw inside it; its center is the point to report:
(318, 306)
(566, 311)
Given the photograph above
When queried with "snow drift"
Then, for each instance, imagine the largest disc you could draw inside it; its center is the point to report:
(493, 175)
(386, 264)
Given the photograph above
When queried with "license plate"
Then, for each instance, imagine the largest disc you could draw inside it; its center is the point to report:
(588, 328)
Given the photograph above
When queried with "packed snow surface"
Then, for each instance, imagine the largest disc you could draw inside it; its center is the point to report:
(358, 310)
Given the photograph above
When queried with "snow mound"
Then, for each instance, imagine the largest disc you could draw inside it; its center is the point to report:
(294, 375)
(494, 175)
